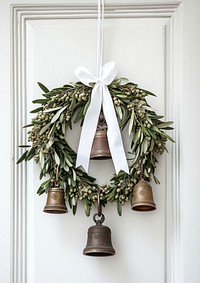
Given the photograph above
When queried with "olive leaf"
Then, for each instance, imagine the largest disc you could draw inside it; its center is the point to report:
(24, 146)
(144, 146)
(119, 208)
(86, 106)
(36, 110)
(23, 157)
(44, 128)
(79, 115)
(74, 175)
(119, 112)
(30, 154)
(41, 157)
(164, 125)
(57, 159)
(40, 101)
(57, 115)
(52, 109)
(131, 122)
(50, 142)
(44, 88)
(74, 208)
(52, 131)
(27, 126)
(152, 145)
(44, 187)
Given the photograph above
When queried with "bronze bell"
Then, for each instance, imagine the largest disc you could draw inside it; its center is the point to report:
(99, 239)
(55, 201)
(142, 199)
(100, 148)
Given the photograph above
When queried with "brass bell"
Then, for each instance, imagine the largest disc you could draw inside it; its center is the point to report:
(55, 201)
(99, 239)
(100, 148)
(142, 199)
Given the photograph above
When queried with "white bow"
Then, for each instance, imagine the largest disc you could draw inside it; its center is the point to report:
(100, 97)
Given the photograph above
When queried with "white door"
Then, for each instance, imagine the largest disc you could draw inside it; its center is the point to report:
(154, 45)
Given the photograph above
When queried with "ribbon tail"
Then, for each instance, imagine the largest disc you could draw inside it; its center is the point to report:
(89, 128)
(114, 134)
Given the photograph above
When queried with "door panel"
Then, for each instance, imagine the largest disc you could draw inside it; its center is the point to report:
(52, 48)
(55, 48)
(47, 43)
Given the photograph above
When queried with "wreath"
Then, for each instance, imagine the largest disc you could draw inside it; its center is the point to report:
(60, 108)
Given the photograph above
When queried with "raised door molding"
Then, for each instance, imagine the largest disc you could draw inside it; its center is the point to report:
(170, 16)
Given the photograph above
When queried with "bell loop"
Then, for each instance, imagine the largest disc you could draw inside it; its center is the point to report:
(142, 172)
(99, 211)
(102, 122)
(57, 176)
(99, 204)
(99, 221)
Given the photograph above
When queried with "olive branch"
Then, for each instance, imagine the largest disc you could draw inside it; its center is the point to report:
(60, 108)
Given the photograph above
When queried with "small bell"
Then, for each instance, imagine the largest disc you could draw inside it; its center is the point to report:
(55, 198)
(100, 148)
(99, 240)
(142, 199)
(55, 201)
(99, 237)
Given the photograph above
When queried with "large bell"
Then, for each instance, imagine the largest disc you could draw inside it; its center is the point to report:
(55, 201)
(142, 199)
(100, 148)
(99, 240)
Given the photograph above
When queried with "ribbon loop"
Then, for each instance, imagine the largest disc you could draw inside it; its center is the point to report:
(84, 75)
(100, 97)
(108, 73)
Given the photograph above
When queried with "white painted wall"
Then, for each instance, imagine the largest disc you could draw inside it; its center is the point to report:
(162, 246)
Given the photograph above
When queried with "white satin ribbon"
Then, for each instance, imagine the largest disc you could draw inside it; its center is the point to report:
(100, 97)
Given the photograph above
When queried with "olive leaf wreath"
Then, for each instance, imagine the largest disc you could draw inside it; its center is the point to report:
(63, 106)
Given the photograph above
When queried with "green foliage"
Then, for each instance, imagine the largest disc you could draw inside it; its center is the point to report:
(63, 106)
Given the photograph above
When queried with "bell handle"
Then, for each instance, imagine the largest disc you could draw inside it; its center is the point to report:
(98, 221)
